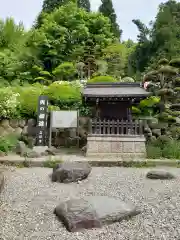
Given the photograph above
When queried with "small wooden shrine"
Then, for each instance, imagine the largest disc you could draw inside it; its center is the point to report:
(111, 123)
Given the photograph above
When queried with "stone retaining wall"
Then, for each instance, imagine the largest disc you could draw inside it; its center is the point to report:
(63, 137)
(116, 146)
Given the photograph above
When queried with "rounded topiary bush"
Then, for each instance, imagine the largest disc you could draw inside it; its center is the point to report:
(28, 98)
(127, 79)
(63, 95)
(102, 79)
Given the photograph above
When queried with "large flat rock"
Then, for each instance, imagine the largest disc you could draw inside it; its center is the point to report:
(160, 174)
(77, 214)
(67, 172)
(93, 212)
(111, 210)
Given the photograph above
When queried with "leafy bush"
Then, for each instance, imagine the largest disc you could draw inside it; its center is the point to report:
(102, 79)
(164, 148)
(153, 152)
(65, 71)
(28, 98)
(64, 95)
(7, 143)
(127, 79)
(172, 150)
(9, 103)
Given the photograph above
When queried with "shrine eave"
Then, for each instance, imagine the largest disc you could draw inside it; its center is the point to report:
(114, 92)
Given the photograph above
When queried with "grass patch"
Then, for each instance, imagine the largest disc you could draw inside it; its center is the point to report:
(51, 163)
(170, 150)
(8, 143)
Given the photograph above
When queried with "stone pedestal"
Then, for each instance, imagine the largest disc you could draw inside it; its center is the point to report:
(116, 146)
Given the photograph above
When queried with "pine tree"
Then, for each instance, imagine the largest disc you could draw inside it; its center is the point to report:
(84, 4)
(107, 10)
(50, 5)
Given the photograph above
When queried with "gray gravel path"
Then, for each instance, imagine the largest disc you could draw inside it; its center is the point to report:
(30, 197)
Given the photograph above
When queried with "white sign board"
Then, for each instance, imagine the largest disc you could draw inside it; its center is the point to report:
(64, 119)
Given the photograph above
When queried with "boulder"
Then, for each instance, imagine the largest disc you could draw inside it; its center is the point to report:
(2, 131)
(21, 148)
(31, 122)
(18, 131)
(9, 130)
(70, 172)
(93, 212)
(84, 149)
(53, 151)
(14, 123)
(159, 174)
(22, 123)
(32, 154)
(2, 154)
(25, 130)
(5, 123)
(40, 149)
(77, 214)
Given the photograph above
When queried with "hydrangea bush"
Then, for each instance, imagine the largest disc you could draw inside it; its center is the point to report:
(9, 103)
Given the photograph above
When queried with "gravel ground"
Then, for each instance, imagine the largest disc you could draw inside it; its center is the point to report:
(29, 199)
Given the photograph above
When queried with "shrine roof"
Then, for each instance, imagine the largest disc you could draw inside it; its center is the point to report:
(114, 90)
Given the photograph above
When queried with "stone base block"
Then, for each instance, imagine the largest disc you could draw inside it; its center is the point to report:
(116, 146)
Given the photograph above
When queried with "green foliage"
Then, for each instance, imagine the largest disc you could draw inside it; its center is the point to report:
(8, 143)
(71, 34)
(159, 41)
(127, 79)
(51, 163)
(51, 5)
(65, 71)
(116, 57)
(9, 103)
(146, 107)
(172, 150)
(102, 79)
(28, 98)
(107, 10)
(166, 149)
(84, 4)
(63, 95)
(153, 152)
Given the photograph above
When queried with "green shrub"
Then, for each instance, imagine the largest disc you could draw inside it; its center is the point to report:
(153, 152)
(63, 95)
(102, 79)
(65, 71)
(127, 79)
(28, 98)
(7, 143)
(172, 150)
(9, 103)
(162, 141)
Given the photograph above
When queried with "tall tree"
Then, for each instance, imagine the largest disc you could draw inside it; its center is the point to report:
(84, 4)
(107, 10)
(166, 31)
(51, 5)
(71, 34)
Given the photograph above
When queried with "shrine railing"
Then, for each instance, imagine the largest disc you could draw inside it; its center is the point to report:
(115, 127)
